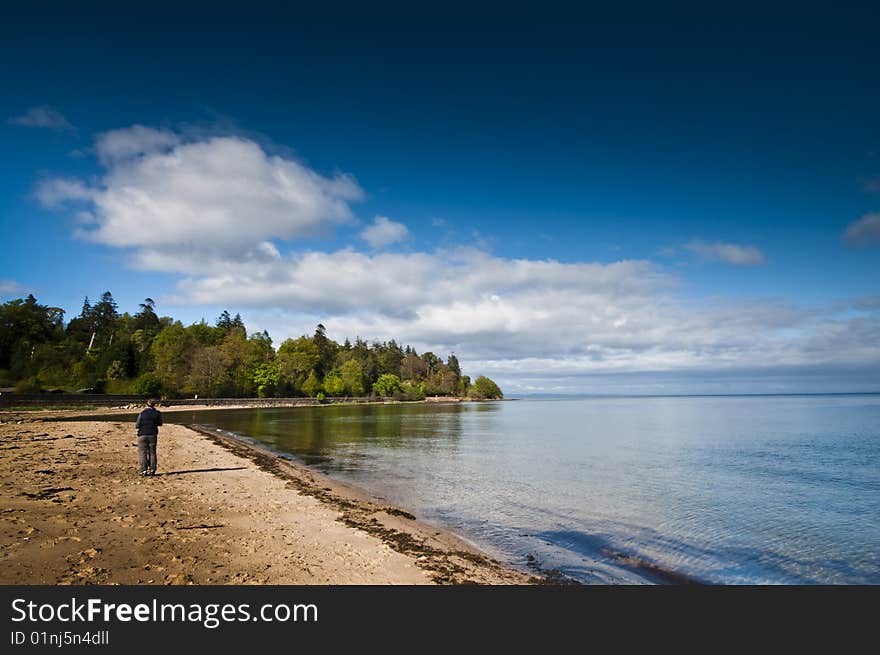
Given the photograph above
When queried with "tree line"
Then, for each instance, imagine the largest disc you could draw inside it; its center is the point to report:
(106, 351)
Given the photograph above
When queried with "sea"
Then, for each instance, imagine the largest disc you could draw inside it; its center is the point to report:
(616, 490)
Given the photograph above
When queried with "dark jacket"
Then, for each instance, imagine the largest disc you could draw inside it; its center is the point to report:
(148, 421)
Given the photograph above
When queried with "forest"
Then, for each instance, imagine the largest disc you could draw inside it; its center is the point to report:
(104, 351)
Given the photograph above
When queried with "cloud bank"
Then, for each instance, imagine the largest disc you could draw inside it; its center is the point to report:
(211, 211)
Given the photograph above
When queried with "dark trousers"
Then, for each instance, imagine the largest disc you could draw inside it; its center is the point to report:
(147, 451)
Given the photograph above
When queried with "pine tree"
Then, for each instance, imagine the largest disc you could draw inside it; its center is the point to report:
(146, 319)
(326, 348)
(224, 321)
(104, 315)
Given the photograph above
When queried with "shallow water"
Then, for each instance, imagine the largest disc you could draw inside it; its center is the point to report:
(736, 489)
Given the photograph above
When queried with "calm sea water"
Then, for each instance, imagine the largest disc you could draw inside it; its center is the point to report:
(749, 489)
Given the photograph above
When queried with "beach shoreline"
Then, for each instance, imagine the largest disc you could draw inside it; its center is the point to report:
(72, 406)
(222, 511)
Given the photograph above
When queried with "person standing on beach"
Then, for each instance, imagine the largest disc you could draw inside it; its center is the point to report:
(147, 424)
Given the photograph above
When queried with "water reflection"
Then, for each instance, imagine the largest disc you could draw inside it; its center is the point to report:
(334, 434)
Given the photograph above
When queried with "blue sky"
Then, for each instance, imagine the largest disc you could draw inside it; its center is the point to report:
(571, 201)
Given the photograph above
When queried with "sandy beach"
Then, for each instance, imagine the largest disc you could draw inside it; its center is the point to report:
(74, 511)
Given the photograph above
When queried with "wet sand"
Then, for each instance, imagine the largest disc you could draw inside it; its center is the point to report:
(73, 510)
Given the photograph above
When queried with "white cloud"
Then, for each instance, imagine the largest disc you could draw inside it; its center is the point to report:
(10, 287)
(398, 284)
(728, 253)
(215, 211)
(43, 116)
(520, 317)
(55, 192)
(383, 232)
(133, 141)
(221, 196)
(863, 232)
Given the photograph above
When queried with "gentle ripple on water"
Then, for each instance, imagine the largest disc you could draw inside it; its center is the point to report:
(761, 489)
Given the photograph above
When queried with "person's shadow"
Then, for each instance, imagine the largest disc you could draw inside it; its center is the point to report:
(213, 470)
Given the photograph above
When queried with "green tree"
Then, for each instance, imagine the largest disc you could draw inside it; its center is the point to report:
(266, 377)
(224, 321)
(148, 384)
(208, 376)
(413, 390)
(448, 383)
(352, 378)
(333, 383)
(412, 368)
(146, 319)
(431, 362)
(81, 327)
(485, 389)
(261, 345)
(242, 356)
(387, 385)
(152, 354)
(312, 385)
(389, 357)
(366, 358)
(169, 353)
(327, 349)
(237, 325)
(116, 370)
(24, 324)
(104, 316)
(296, 359)
(204, 334)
